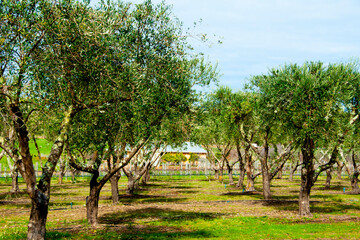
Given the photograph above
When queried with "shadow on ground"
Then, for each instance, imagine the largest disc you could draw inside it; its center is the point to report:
(154, 214)
(127, 199)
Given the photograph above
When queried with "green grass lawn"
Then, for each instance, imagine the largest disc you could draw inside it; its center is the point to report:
(44, 148)
(184, 207)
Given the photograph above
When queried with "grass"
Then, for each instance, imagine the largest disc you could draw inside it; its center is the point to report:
(44, 148)
(183, 207)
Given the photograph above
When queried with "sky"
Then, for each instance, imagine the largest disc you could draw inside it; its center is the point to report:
(261, 34)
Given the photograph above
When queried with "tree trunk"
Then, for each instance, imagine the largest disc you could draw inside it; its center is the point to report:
(230, 172)
(241, 168)
(250, 179)
(266, 185)
(114, 180)
(231, 179)
(265, 169)
(280, 174)
(354, 181)
(339, 170)
(131, 185)
(146, 178)
(92, 205)
(15, 181)
(250, 186)
(292, 171)
(241, 178)
(216, 173)
(328, 179)
(38, 216)
(62, 170)
(307, 180)
(221, 174)
(304, 201)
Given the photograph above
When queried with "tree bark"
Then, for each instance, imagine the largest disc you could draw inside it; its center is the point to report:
(231, 179)
(146, 178)
(241, 178)
(328, 179)
(131, 185)
(307, 174)
(265, 169)
(62, 170)
(221, 174)
(216, 173)
(354, 177)
(280, 174)
(114, 180)
(250, 186)
(250, 180)
(15, 180)
(339, 169)
(92, 205)
(293, 170)
(38, 216)
(230, 172)
(355, 182)
(241, 168)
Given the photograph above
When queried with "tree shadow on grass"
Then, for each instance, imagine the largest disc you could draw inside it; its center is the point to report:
(245, 193)
(162, 215)
(10, 195)
(128, 199)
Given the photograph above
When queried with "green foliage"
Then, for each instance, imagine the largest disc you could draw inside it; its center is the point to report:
(174, 157)
(193, 157)
(309, 100)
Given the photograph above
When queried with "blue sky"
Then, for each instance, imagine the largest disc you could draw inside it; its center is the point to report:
(262, 34)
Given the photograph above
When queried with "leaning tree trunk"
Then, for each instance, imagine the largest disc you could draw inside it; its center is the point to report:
(15, 180)
(307, 181)
(114, 181)
(328, 179)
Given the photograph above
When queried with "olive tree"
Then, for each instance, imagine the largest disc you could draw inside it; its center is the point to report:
(310, 102)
